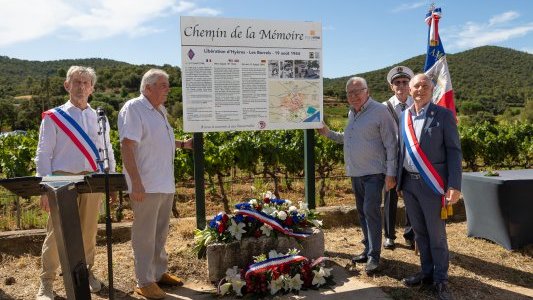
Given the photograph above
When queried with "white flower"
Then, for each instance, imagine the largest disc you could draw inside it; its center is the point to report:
(232, 273)
(282, 215)
(266, 229)
(303, 205)
(295, 283)
(253, 202)
(293, 251)
(268, 210)
(317, 223)
(237, 285)
(274, 254)
(288, 202)
(327, 271)
(236, 229)
(320, 276)
(276, 285)
(224, 289)
(292, 208)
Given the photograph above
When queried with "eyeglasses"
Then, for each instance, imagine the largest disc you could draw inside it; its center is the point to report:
(400, 82)
(354, 93)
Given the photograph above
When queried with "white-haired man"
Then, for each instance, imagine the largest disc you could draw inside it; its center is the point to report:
(148, 147)
(370, 153)
(57, 154)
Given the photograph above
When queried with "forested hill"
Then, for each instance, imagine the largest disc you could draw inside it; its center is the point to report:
(22, 77)
(488, 81)
(493, 77)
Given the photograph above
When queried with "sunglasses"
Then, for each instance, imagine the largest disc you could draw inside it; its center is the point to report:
(400, 82)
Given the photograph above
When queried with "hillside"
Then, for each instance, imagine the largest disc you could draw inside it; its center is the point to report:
(491, 76)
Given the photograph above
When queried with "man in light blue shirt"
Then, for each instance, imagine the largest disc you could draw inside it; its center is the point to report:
(370, 153)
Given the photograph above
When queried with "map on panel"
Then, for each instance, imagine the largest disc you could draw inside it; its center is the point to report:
(294, 101)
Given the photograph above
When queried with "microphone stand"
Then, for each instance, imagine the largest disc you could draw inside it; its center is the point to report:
(108, 229)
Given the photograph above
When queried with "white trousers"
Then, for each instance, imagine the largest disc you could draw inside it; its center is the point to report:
(149, 236)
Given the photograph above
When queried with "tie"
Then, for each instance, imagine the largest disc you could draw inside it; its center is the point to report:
(403, 106)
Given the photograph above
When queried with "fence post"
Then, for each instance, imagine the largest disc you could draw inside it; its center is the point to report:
(17, 206)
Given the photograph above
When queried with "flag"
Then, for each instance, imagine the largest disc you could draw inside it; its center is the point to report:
(436, 66)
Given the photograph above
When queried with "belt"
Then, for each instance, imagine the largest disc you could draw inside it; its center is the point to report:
(63, 173)
(412, 175)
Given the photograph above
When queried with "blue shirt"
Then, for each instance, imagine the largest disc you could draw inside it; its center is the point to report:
(369, 139)
(418, 124)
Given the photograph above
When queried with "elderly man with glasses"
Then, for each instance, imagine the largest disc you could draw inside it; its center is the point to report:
(398, 79)
(370, 151)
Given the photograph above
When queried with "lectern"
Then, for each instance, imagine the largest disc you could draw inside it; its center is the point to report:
(62, 194)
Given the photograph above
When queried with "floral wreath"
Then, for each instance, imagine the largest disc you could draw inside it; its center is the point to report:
(268, 216)
(279, 272)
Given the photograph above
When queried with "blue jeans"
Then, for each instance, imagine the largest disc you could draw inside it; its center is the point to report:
(367, 191)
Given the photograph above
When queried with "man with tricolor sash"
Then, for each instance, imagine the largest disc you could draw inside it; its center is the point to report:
(429, 179)
(69, 143)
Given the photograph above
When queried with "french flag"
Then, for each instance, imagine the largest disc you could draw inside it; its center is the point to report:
(436, 66)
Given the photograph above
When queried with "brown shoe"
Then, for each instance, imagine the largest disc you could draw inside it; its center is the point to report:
(169, 279)
(151, 291)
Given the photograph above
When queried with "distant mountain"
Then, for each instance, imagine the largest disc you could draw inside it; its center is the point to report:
(491, 76)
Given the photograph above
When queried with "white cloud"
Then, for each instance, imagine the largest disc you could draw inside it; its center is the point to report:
(503, 18)
(496, 30)
(30, 19)
(88, 19)
(408, 6)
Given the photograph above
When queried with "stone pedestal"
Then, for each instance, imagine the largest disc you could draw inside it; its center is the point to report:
(220, 257)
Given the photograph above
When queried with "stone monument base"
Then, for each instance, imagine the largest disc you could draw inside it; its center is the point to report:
(220, 257)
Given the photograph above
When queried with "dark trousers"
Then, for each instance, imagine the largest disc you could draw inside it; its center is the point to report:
(367, 191)
(389, 217)
(424, 206)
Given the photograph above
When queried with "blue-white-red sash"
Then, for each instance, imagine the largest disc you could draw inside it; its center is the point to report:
(79, 137)
(271, 222)
(273, 263)
(419, 158)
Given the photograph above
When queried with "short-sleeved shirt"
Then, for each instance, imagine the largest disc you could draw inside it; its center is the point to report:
(57, 152)
(155, 145)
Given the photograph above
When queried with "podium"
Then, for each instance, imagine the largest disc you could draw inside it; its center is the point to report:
(62, 197)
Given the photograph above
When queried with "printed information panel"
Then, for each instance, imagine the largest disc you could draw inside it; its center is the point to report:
(250, 75)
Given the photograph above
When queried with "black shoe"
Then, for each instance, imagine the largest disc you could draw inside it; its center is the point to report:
(389, 244)
(417, 279)
(443, 293)
(361, 258)
(410, 243)
(371, 266)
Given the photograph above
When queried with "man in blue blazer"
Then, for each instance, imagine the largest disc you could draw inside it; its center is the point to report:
(429, 169)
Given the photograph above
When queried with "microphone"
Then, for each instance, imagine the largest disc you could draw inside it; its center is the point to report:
(100, 112)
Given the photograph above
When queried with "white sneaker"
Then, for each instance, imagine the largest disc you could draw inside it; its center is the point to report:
(95, 285)
(46, 291)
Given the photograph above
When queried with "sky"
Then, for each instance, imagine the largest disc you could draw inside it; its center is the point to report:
(358, 36)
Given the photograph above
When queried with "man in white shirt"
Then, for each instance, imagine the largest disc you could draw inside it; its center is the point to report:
(148, 147)
(57, 154)
(398, 79)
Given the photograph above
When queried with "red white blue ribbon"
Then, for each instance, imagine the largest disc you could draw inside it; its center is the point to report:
(273, 263)
(271, 222)
(419, 158)
(432, 19)
(79, 137)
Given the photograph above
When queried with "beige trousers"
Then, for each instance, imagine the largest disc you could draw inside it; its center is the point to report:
(88, 208)
(149, 231)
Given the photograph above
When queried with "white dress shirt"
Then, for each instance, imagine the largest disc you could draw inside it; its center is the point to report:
(57, 152)
(155, 145)
(396, 104)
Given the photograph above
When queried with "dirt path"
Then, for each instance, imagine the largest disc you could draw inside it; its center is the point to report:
(479, 269)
